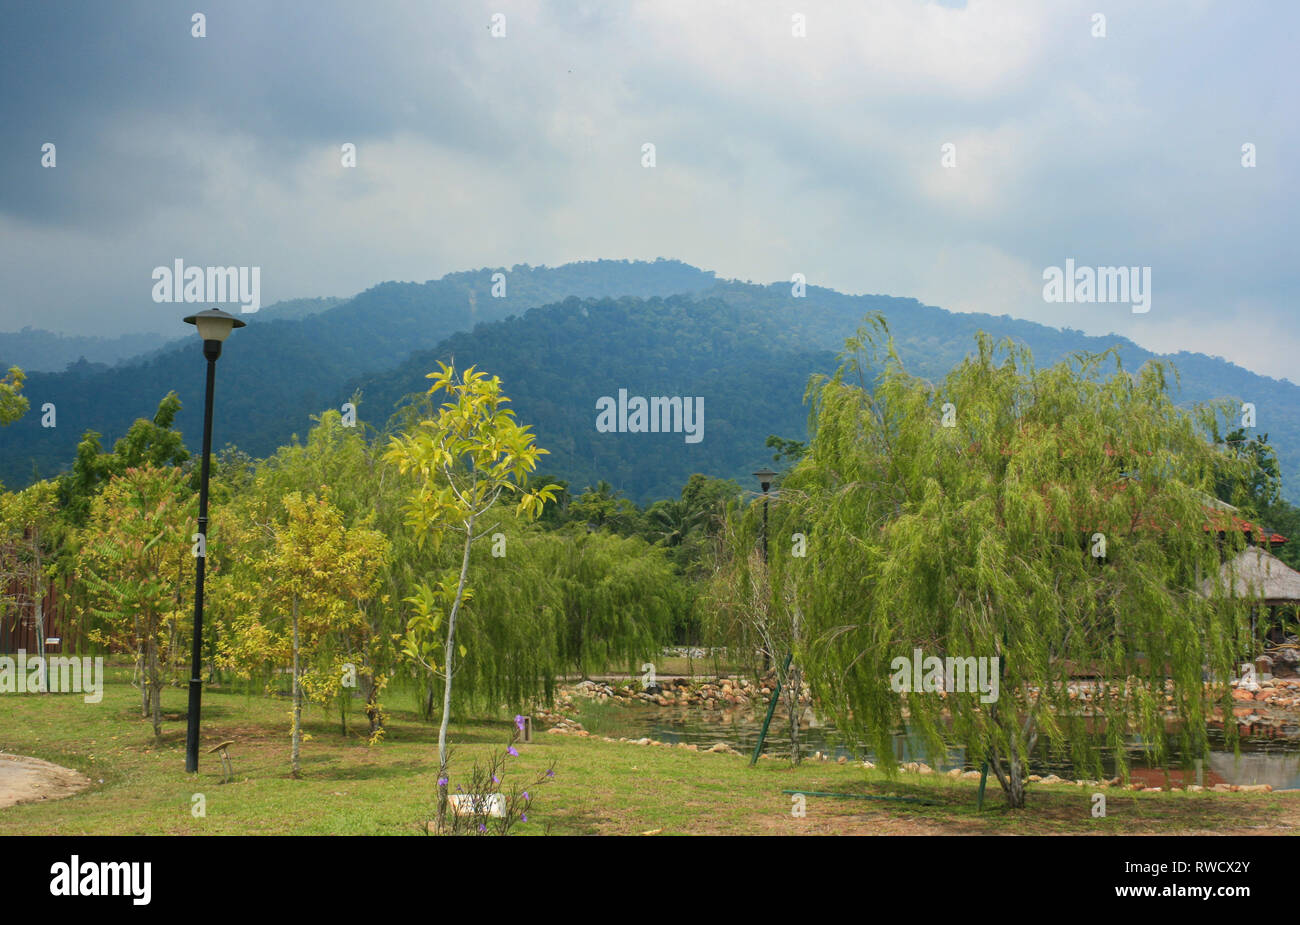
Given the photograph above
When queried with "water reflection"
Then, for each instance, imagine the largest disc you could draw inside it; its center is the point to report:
(1269, 755)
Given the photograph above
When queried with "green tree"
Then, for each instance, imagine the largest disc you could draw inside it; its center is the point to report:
(308, 583)
(1257, 486)
(367, 492)
(973, 541)
(148, 442)
(13, 404)
(602, 507)
(465, 459)
(791, 450)
(1258, 491)
(30, 532)
(133, 550)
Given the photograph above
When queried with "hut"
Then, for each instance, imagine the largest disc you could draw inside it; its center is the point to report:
(1257, 574)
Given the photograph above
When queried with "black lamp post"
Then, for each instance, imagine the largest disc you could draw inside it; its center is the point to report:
(765, 476)
(214, 326)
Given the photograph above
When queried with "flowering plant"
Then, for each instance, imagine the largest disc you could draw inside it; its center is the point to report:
(484, 806)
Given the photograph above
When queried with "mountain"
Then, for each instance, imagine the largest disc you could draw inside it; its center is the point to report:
(274, 374)
(562, 338)
(749, 350)
(46, 351)
(297, 309)
(556, 363)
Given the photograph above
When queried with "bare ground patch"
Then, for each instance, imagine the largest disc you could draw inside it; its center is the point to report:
(30, 780)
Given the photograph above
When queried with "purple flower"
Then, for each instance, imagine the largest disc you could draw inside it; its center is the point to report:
(495, 779)
(442, 782)
(519, 723)
(526, 796)
(523, 817)
(550, 772)
(482, 827)
(512, 752)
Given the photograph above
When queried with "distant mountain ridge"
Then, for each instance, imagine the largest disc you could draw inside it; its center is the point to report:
(51, 352)
(274, 374)
(36, 350)
(749, 350)
(560, 338)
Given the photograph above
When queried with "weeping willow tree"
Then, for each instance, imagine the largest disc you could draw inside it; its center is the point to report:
(1053, 519)
(742, 609)
(550, 603)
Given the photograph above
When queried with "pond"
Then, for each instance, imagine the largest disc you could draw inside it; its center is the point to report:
(1266, 757)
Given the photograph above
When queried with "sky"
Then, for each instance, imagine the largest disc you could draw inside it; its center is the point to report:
(775, 153)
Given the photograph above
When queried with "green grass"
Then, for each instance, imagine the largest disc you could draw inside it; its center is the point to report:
(140, 787)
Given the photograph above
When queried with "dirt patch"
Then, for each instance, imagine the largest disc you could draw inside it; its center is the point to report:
(28, 780)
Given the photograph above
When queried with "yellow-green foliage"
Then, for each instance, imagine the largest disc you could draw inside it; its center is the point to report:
(13, 404)
(136, 563)
(310, 557)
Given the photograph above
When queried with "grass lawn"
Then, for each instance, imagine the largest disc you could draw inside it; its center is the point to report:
(139, 785)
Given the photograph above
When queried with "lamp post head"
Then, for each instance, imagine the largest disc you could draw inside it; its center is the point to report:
(765, 477)
(214, 324)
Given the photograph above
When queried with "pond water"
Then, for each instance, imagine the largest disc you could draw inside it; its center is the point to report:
(1269, 756)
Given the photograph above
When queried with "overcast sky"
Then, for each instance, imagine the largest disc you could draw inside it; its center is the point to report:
(775, 154)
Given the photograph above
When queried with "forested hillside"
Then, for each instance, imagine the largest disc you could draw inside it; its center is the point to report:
(36, 350)
(275, 373)
(556, 362)
(746, 349)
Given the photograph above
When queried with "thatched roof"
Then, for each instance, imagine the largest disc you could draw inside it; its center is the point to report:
(1256, 572)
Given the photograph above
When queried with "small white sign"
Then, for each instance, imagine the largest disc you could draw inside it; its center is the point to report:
(478, 804)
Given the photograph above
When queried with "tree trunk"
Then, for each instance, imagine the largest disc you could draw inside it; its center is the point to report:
(448, 660)
(428, 701)
(141, 670)
(39, 590)
(297, 698)
(40, 628)
(794, 685)
(155, 688)
(1011, 778)
(372, 707)
(1016, 792)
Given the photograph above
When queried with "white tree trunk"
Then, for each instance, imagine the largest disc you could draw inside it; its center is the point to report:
(448, 659)
(296, 747)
